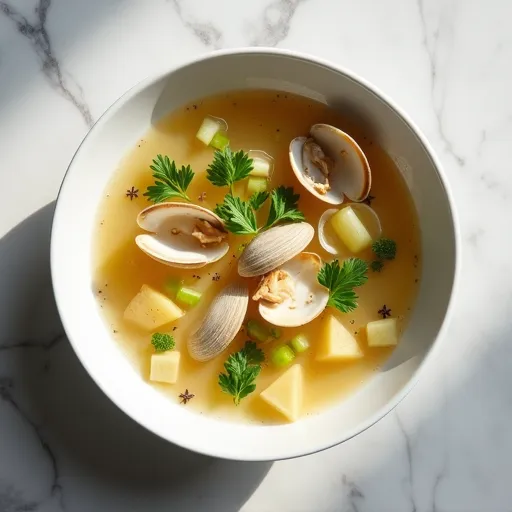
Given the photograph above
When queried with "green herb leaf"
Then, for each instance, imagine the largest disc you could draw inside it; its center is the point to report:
(162, 342)
(228, 167)
(169, 181)
(238, 216)
(384, 248)
(257, 199)
(242, 368)
(341, 282)
(283, 207)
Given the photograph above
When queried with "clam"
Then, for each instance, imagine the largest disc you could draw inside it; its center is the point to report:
(331, 242)
(220, 324)
(331, 165)
(274, 247)
(182, 235)
(291, 295)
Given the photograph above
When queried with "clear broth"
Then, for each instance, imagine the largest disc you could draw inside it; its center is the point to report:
(267, 121)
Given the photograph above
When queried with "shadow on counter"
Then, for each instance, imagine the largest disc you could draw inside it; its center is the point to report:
(80, 430)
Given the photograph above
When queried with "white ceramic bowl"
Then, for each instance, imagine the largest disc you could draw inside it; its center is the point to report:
(73, 229)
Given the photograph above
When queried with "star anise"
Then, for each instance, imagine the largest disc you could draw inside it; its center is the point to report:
(186, 397)
(368, 200)
(132, 193)
(384, 312)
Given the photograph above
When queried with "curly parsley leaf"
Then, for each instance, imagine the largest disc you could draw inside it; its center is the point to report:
(242, 368)
(258, 199)
(169, 181)
(238, 216)
(162, 342)
(341, 282)
(283, 207)
(228, 167)
(384, 248)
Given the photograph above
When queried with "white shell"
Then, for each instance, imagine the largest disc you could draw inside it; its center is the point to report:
(220, 324)
(303, 270)
(328, 239)
(274, 247)
(351, 174)
(178, 250)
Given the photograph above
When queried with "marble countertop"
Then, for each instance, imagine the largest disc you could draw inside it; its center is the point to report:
(65, 447)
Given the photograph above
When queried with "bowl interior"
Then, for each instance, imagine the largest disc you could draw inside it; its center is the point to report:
(118, 130)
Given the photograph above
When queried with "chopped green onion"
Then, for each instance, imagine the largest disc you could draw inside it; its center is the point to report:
(188, 296)
(299, 343)
(220, 141)
(282, 355)
(256, 185)
(172, 285)
(210, 126)
(257, 331)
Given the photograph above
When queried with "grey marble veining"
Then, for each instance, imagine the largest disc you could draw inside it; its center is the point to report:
(65, 447)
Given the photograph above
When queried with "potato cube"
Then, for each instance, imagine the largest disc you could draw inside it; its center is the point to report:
(350, 230)
(285, 393)
(382, 333)
(165, 367)
(150, 309)
(336, 342)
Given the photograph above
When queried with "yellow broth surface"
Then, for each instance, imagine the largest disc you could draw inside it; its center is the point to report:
(267, 121)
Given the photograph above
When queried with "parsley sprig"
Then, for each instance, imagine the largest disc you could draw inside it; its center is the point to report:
(228, 167)
(240, 216)
(162, 342)
(283, 207)
(170, 182)
(384, 249)
(341, 281)
(242, 368)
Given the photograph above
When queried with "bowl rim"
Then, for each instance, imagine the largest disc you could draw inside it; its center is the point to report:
(339, 69)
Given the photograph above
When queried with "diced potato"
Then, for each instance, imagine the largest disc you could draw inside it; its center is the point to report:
(336, 343)
(150, 309)
(165, 367)
(382, 333)
(285, 393)
(351, 230)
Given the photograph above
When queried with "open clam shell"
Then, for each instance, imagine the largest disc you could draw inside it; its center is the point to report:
(349, 173)
(331, 242)
(309, 297)
(221, 323)
(274, 247)
(170, 240)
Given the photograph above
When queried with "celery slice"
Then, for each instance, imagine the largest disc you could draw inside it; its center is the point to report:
(299, 343)
(256, 185)
(282, 356)
(188, 296)
(220, 141)
(209, 127)
(172, 285)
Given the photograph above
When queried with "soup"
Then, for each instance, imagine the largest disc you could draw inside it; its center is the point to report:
(272, 309)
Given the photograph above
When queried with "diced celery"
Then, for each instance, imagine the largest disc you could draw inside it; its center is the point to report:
(282, 355)
(256, 185)
(351, 231)
(299, 343)
(260, 168)
(172, 285)
(209, 127)
(257, 331)
(220, 141)
(188, 296)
